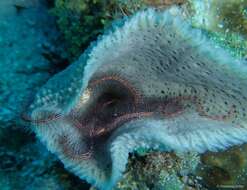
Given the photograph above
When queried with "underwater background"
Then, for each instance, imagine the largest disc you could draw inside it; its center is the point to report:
(39, 38)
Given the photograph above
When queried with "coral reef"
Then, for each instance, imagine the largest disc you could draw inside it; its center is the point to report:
(225, 21)
(29, 43)
(82, 21)
(120, 102)
(158, 171)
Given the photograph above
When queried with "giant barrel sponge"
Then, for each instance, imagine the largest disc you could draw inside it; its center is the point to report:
(153, 81)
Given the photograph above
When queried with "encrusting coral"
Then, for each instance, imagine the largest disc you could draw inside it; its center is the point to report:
(152, 82)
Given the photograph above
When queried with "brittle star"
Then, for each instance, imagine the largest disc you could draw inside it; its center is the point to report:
(93, 125)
